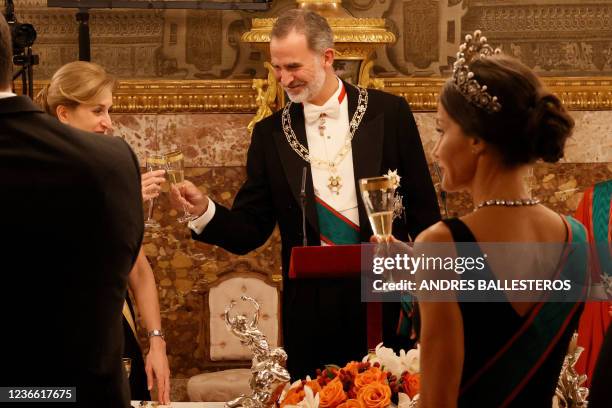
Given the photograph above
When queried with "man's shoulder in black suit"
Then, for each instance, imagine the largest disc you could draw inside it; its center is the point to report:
(72, 223)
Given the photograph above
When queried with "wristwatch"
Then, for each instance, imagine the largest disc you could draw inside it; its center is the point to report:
(156, 333)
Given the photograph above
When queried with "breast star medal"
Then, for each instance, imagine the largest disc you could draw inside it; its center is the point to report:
(334, 184)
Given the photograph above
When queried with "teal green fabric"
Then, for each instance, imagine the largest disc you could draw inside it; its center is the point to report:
(538, 336)
(602, 197)
(334, 229)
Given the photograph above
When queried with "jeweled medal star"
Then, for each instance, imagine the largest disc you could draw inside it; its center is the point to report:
(334, 184)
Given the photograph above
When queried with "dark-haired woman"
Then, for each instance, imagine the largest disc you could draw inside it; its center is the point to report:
(494, 120)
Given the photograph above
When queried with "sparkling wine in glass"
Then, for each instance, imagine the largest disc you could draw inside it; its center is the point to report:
(127, 365)
(154, 162)
(380, 201)
(175, 171)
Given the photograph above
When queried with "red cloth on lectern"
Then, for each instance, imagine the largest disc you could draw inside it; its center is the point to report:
(595, 317)
(336, 261)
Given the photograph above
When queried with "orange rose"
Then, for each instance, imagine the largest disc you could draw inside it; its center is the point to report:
(352, 368)
(351, 403)
(375, 395)
(332, 394)
(374, 374)
(412, 385)
(293, 396)
(314, 386)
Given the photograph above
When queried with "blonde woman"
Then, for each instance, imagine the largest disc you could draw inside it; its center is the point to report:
(80, 94)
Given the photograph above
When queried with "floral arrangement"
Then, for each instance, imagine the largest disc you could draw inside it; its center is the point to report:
(380, 379)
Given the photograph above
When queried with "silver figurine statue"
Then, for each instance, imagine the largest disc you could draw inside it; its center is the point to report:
(268, 372)
(570, 392)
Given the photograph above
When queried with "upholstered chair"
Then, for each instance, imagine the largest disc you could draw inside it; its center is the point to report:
(226, 361)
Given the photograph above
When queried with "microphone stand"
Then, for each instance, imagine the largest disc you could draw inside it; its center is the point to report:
(442, 192)
(303, 206)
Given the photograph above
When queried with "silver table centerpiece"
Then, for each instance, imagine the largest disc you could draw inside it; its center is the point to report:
(268, 372)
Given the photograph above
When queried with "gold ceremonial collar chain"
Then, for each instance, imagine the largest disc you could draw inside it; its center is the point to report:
(302, 151)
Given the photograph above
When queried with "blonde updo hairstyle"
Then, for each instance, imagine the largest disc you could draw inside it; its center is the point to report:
(75, 83)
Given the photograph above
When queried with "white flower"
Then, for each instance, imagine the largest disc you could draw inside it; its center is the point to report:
(310, 400)
(393, 177)
(404, 401)
(410, 360)
(396, 365)
(387, 359)
(287, 388)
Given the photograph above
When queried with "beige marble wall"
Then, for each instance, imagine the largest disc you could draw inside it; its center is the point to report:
(207, 140)
(590, 143)
(212, 140)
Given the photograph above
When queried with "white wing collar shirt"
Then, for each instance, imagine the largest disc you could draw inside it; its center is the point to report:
(327, 129)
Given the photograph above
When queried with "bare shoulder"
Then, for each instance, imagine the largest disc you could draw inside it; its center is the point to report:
(438, 232)
(528, 224)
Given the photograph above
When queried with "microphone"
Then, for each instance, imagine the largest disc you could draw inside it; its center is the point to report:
(303, 206)
(442, 192)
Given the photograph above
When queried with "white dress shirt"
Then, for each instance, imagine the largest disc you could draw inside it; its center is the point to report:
(325, 148)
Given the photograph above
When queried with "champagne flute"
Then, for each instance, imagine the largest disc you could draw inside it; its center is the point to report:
(380, 202)
(127, 365)
(379, 198)
(438, 187)
(175, 170)
(153, 162)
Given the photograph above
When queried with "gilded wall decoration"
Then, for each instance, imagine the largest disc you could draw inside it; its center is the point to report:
(423, 29)
(555, 37)
(203, 34)
(421, 42)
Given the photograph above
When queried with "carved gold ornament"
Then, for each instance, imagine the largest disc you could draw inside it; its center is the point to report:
(238, 96)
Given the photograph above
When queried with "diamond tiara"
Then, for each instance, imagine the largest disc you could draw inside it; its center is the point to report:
(474, 47)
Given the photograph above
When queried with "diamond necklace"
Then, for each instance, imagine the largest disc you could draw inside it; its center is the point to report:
(508, 203)
(335, 181)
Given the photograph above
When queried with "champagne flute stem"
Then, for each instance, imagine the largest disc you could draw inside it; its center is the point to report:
(150, 212)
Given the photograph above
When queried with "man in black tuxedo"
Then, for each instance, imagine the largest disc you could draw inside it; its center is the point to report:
(71, 227)
(339, 133)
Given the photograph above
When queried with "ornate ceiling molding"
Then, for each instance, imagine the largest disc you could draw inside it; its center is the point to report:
(239, 96)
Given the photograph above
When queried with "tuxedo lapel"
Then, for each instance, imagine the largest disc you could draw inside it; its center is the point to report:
(367, 149)
(293, 164)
